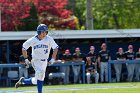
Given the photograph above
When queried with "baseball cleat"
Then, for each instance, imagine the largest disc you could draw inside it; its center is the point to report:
(19, 82)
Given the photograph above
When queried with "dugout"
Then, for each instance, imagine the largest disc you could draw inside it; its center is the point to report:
(11, 42)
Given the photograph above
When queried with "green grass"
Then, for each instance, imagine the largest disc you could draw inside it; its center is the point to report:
(80, 88)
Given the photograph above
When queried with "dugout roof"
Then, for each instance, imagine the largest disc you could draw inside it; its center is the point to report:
(73, 34)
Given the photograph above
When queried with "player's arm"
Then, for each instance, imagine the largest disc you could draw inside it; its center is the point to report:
(109, 56)
(24, 53)
(99, 60)
(54, 53)
(55, 50)
(25, 46)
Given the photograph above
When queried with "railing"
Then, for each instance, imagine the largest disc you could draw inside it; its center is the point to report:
(55, 64)
(119, 62)
(77, 63)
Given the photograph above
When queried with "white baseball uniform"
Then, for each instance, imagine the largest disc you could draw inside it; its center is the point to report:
(40, 54)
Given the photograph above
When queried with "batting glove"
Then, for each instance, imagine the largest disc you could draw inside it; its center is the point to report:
(52, 61)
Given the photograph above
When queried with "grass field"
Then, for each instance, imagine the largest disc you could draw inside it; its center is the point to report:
(80, 88)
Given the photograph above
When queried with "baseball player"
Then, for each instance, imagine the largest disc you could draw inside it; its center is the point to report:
(77, 57)
(41, 45)
(103, 58)
(67, 57)
(120, 55)
(23, 70)
(93, 56)
(137, 68)
(130, 55)
(91, 71)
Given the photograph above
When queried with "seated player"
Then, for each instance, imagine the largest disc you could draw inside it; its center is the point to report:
(91, 72)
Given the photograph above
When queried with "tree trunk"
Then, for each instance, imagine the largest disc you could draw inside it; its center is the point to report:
(89, 15)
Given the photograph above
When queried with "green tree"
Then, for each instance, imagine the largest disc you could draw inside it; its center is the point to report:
(109, 14)
(78, 7)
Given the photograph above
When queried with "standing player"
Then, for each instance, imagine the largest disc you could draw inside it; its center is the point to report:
(120, 55)
(130, 55)
(67, 57)
(137, 68)
(41, 45)
(103, 58)
(77, 57)
(93, 57)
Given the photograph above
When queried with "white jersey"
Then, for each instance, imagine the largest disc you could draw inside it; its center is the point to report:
(40, 48)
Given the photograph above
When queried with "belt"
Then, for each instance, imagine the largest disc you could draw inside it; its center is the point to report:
(42, 59)
(76, 65)
(104, 61)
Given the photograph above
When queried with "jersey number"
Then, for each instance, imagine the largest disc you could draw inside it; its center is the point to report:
(46, 51)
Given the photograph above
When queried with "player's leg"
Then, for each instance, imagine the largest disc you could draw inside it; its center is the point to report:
(25, 72)
(40, 68)
(118, 71)
(40, 74)
(63, 69)
(75, 73)
(133, 68)
(67, 75)
(137, 72)
(20, 72)
(130, 69)
(96, 76)
(88, 75)
(106, 72)
(23, 81)
(79, 77)
(102, 68)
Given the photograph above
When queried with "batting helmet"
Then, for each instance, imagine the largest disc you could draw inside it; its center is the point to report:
(42, 28)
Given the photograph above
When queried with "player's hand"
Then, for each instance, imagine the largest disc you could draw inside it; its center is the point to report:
(52, 61)
(27, 61)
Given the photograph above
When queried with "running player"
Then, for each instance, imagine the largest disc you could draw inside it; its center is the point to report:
(41, 45)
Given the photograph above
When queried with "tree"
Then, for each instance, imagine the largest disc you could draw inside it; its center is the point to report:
(89, 15)
(30, 22)
(109, 14)
(78, 7)
(116, 14)
(54, 14)
(26, 14)
(12, 12)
